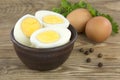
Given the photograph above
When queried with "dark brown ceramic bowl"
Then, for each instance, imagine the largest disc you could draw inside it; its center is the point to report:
(44, 59)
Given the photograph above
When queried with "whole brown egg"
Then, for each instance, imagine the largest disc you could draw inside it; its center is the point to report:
(98, 29)
(78, 19)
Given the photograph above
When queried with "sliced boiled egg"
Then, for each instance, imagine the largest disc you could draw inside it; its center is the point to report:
(52, 19)
(50, 37)
(25, 27)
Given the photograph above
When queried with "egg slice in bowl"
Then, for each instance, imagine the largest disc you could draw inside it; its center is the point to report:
(50, 37)
(25, 27)
(52, 19)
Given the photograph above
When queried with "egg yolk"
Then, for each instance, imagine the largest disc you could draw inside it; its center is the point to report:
(29, 25)
(48, 36)
(52, 19)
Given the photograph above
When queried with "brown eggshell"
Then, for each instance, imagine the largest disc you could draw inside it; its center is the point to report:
(78, 19)
(98, 29)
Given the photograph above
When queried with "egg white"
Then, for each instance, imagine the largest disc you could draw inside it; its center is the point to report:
(65, 35)
(19, 35)
(42, 13)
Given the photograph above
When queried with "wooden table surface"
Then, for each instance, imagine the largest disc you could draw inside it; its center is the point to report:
(75, 68)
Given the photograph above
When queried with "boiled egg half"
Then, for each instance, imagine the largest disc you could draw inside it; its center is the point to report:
(52, 19)
(50, 37)
(25, 27)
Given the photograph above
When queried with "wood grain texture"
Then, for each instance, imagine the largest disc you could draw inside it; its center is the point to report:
(75, 68)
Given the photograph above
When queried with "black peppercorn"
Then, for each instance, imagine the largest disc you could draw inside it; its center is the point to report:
(100, 55)
(81, 50)
(91, 50)
(88, 60)
(100, 64)
(86, 52)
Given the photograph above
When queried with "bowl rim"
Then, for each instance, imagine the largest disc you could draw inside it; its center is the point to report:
(73, 32)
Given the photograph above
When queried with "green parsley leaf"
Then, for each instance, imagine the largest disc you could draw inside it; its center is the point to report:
(66, 7)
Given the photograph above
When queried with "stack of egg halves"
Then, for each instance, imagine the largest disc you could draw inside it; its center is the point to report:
(46, 29)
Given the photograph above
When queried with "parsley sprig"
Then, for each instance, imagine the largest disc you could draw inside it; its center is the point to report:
(66, 7)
